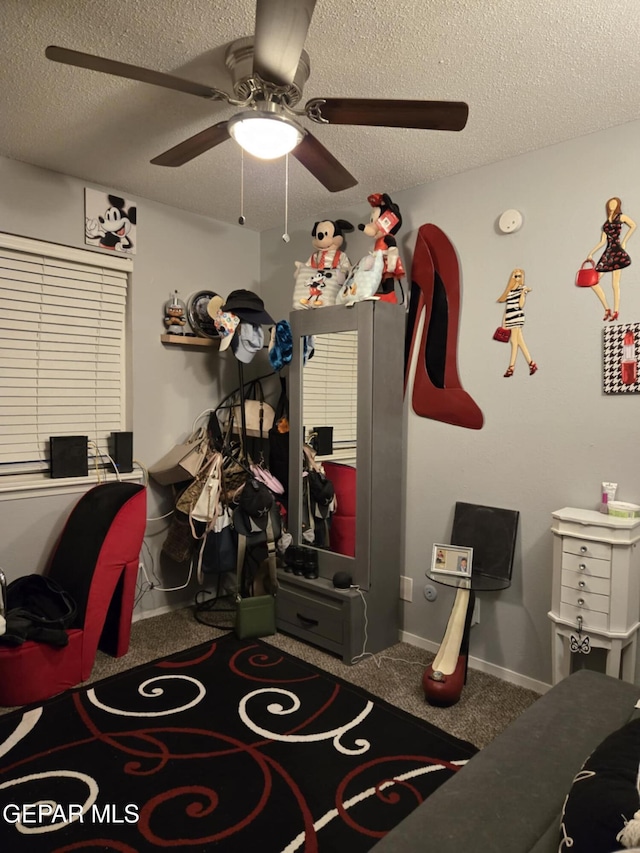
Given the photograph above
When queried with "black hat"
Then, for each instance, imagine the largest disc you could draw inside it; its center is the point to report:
(322, 492)
(248, 306)
(252, 513)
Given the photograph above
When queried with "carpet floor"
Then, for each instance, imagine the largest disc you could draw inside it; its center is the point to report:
(486, 707)
(232, 745)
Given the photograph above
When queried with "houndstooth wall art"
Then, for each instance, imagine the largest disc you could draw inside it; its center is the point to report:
(620, 359)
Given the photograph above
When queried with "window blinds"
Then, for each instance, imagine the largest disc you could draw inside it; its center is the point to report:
(330, 390)
(62, 329)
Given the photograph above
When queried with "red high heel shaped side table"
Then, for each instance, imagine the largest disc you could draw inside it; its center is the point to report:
(490, 534)
(444, 679)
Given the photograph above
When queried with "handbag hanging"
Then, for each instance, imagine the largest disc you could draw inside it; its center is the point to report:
(182, 462)
(200, 500)
(179, 544)
(279, 440)
(501, 334)
(259, 415)
(587, 275)
(221, 547)
(256, 614)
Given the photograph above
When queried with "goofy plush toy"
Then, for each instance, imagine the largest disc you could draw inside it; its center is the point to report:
(385, 221)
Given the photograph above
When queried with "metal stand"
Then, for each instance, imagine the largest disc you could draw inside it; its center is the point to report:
(243, 414)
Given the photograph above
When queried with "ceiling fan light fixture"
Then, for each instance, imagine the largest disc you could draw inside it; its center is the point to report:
(265, 136)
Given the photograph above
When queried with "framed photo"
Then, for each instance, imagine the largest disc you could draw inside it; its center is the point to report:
(451, 560)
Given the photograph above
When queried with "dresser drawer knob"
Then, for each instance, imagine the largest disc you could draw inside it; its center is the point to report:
(582, 566)
(583, 549)
(582, 584)
(580, 602)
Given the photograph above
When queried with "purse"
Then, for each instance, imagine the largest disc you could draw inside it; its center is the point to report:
(256, 614)
(318, 288)
(179, 544)
(259, 415)
(200, 500)
(182, 462)
(587, 275)
(501, 334)
(364, 279)
(221, 546)
(265, 476)
(255, 617)
(279, 439)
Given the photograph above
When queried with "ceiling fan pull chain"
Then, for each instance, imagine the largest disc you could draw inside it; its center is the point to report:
(242, 218)
(285, 236)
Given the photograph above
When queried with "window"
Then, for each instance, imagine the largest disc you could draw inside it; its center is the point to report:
(331, 391)
(62, 348)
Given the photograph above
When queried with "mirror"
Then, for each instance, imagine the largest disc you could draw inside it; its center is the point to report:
(330, 426)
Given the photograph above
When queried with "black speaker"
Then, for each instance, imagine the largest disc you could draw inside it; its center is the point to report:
(68, 456)
(122, 451)
(323, 442)
(342, 580)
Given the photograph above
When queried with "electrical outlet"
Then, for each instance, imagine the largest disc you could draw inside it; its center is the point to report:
(475, 616)
(406, 588)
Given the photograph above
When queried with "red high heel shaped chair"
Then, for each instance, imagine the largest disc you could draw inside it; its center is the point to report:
(96, 562)
(342, 535)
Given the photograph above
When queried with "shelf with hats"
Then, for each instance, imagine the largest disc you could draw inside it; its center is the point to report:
(189, 341)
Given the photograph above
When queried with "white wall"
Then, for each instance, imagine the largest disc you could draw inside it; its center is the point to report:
(548, 439)
(170, 385)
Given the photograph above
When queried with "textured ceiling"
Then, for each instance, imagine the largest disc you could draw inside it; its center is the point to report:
(533, 74)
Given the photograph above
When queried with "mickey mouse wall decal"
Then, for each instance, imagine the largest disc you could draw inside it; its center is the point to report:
(109, 222)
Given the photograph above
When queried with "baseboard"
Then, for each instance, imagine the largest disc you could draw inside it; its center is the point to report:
(158, 611)
(481, 665)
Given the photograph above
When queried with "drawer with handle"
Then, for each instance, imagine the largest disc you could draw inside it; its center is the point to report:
(586, 548)
(587, 565)
(591, 619)
(315, 616)
(586, 600)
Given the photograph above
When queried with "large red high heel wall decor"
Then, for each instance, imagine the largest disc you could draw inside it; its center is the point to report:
(96, 562)
(437, 391)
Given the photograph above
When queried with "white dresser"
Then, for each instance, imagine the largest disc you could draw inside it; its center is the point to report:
(596, 589)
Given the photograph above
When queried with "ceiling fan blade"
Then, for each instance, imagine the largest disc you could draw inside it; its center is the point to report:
(280, 33)
(424, 115)
(323, 165)
(194, 146)
(131, 72)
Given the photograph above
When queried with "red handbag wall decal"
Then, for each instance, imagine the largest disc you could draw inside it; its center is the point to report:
(587, 275)
(437, 392)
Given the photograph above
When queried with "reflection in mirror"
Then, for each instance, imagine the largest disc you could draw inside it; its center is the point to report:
(329, 417)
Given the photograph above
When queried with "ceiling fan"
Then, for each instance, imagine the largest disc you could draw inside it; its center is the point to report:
(268, 73)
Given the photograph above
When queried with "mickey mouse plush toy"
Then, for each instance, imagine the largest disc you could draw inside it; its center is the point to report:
(326, 238)
(318, 281)
(385, 221)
